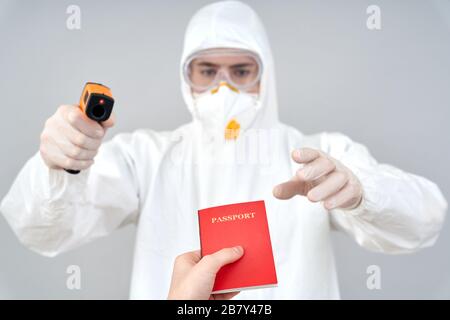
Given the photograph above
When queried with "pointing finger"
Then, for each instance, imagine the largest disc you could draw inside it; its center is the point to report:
(287, 190)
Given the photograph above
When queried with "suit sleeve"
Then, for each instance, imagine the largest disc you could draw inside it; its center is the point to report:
(400, 212)
(52, 211)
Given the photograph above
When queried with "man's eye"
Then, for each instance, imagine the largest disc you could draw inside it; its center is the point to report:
(241, 73)
(208, 72)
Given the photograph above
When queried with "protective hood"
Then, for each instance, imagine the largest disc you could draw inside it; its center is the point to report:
(232, 24)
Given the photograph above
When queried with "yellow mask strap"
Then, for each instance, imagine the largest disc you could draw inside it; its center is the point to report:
(224, 84)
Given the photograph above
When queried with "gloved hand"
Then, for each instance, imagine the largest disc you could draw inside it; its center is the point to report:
(322, 178)
(193, 277)
(70, 140)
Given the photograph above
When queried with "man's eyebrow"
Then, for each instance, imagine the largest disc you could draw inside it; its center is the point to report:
(243, 65)
(206, 64)
(210, 64)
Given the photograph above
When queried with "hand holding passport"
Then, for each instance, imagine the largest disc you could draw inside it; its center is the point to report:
(236, 255)
(193, 276)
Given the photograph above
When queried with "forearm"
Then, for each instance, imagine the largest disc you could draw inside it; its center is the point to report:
(52, 211)
(36, 202)
(400, 212)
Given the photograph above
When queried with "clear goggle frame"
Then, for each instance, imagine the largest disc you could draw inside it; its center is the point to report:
(208, 69)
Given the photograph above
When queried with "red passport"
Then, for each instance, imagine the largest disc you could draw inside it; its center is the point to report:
(243, 224)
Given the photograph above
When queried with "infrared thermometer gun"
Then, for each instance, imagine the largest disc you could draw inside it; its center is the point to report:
(97, 103)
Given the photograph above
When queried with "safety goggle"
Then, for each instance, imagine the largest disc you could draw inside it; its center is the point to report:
(207, 69)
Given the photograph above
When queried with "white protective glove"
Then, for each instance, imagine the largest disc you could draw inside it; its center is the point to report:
(70, 140)
(322, 178)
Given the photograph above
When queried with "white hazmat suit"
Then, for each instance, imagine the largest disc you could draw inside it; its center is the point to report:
(158, 181)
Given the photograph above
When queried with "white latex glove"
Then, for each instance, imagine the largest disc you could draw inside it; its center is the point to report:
(322, 178)
(193, 277)
(70, 140)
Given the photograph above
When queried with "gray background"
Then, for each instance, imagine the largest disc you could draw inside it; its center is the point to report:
(388, 89)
